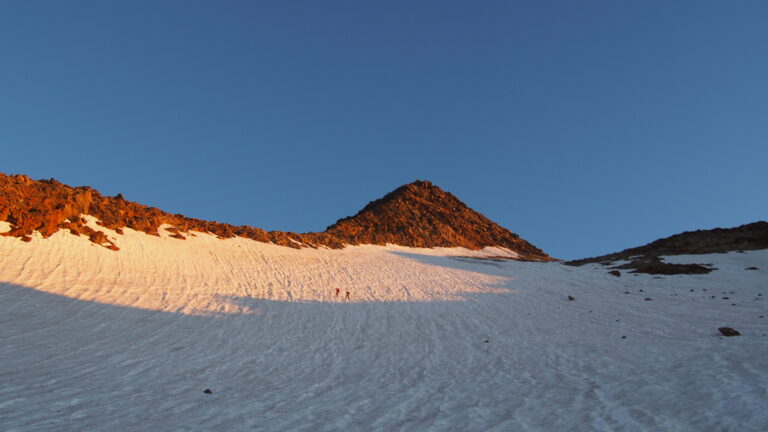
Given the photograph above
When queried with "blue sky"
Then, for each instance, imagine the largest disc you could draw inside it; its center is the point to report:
(586, 127)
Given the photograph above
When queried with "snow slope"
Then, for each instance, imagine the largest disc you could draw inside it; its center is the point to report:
(435, 340)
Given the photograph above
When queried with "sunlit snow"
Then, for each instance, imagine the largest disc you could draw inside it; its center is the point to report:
(431, 339)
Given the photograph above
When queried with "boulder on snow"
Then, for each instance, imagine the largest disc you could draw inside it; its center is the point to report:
(571, 298)
(728, 331)
(615, 273)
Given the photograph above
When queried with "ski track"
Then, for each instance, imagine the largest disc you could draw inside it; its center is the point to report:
(101, 341)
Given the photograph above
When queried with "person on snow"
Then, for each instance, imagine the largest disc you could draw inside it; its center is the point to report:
(347, 296)
(338, 290)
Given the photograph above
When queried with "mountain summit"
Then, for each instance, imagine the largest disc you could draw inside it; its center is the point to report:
(418, 214)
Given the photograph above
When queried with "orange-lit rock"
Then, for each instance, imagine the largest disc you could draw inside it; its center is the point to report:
(418, 214)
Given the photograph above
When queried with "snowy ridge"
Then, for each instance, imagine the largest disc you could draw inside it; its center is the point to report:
(432, 339)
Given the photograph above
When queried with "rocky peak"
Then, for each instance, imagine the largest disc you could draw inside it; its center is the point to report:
(420, 214)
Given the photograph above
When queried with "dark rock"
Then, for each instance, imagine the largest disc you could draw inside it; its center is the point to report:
(727, 331)
(656, 267)
(98, 237)
(615, 273)
(207, 391)
(751, 268)
(177, 235)
(571, 298)
(753, 236)
(647, 299)
(623, 337)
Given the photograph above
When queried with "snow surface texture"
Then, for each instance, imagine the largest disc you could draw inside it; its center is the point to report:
(431, 340)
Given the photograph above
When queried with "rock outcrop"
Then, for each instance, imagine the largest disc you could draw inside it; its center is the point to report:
(656, 266)
(47, 206)
(418, 215)
(645, 259)
(751, 236)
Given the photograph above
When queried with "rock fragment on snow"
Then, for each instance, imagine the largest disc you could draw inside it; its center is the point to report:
(728, 331)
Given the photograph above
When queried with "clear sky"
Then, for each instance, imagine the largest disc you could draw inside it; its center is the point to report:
(584, 126)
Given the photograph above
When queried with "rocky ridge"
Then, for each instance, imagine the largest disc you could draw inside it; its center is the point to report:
(418, 214)
(647, 258)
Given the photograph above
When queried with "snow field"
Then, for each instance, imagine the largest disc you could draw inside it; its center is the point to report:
(432, 340)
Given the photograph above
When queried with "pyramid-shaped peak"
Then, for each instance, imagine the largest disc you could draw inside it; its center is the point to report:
(420, 214)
